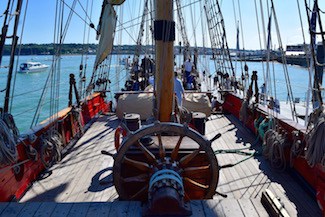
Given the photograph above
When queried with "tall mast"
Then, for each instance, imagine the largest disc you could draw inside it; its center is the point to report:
(12, 56)
(4, 31)
(164, 29)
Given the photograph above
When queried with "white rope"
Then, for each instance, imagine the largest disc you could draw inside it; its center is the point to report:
(315, 152)
(296, 147)
(8, 150)
(50, 149)
(274, 144)
(243, 111)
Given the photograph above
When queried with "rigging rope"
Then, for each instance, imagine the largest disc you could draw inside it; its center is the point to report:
(19, 50)
(72, 9)
(285, 68)
(259, 35)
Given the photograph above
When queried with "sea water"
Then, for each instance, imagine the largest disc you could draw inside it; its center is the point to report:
(28, 87)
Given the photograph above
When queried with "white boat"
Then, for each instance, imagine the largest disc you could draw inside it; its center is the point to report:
(28, 67)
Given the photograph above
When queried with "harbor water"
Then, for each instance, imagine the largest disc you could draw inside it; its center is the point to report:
(28, 87)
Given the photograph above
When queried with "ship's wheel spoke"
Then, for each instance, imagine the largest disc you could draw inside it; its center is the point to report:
(187, 159)
(162, 152)
(190, 171)
(146, 161)
(151, 157)
(195, 183)
(138, 178)
(139, 193)
(174, 154)
(137, 164)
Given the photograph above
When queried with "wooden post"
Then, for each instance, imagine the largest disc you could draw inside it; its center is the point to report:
(164, 29)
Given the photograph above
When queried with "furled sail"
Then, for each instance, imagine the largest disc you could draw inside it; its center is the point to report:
(106, 33)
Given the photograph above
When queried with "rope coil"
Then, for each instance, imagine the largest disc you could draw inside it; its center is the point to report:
(76, 112)
(315, 152)
(8, 150)
(274, 144)
(296, 148)
(243, 111)
(51, 148)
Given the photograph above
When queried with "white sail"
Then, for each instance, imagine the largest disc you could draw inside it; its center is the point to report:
(106, 31)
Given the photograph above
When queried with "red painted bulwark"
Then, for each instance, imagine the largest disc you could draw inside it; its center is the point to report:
(13, 186)
(315, 176)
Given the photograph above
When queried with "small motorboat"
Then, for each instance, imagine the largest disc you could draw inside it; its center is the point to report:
(29, 67)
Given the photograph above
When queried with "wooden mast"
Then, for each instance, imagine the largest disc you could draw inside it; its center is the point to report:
(164, 29)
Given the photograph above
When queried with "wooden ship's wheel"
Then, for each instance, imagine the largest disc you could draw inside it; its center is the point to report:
(165, 162)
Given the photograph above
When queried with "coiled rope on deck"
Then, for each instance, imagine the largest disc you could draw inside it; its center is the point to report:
(9, 120)
(51, 148)
(296, 147)
(315, 152)
(76, 113)
(273, 149)
(243, 111)
(8, 150)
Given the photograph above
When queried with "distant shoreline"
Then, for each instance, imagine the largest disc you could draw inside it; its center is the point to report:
(91, 49)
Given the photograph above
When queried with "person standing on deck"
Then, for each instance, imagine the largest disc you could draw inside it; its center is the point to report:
(135, 68)
(179, 90)
(188, 66)
(215, 82)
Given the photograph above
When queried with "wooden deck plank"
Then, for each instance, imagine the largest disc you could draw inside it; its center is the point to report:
(85, 174)
(45, 209)
(259, 207)
(80, 182)
(79, 209)
(3, 206)
(213, 208)
(231, 207)
(61, 172)
(134, 209)
(262, 182)
(99, 209)
(225, 176)
(12, 210)
(61, 209)
(265, 182)
(99, 182)
(69, 171)
(247, 175)
(119, 209)
(247, 207)
(238, 181)
(29, 209)
(197, 208)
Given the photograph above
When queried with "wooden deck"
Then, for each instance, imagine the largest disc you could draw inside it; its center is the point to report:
(81, 184)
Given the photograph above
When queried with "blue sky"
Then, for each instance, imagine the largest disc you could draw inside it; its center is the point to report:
(39, 24)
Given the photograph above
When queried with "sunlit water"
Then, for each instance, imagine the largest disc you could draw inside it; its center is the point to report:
(28, 87)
